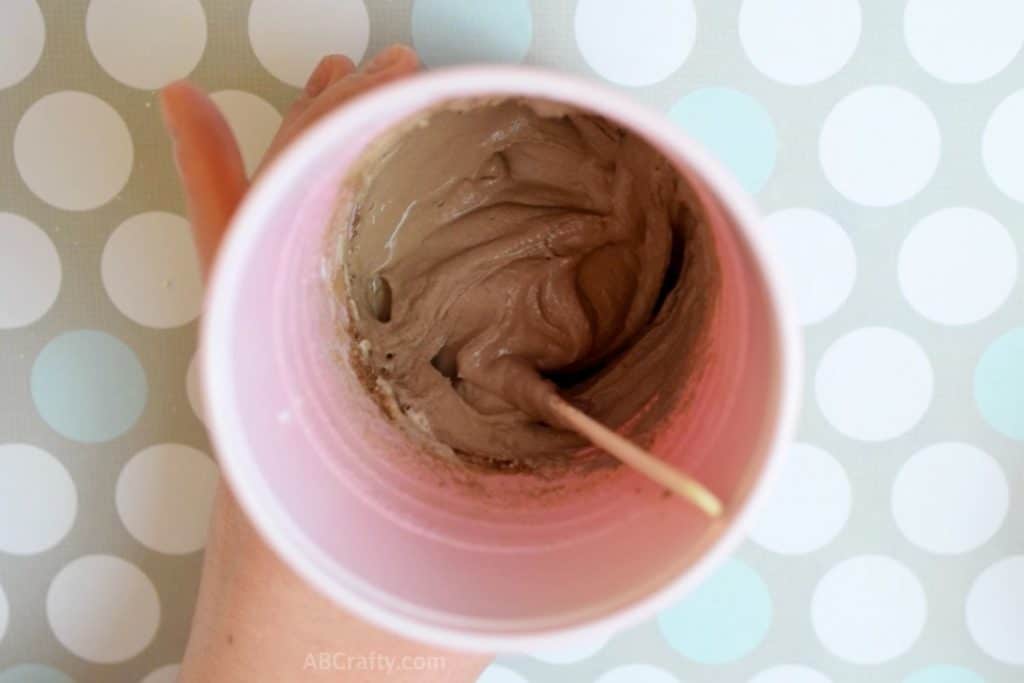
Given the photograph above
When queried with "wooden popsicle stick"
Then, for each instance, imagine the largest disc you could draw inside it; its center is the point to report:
(628, 452)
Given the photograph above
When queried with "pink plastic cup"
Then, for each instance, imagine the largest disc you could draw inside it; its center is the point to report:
(492, 562)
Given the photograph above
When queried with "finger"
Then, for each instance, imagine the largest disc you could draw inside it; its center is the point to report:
(209, 164)
(391, 56)
(392, 63)
(330, 69)
(389, 64)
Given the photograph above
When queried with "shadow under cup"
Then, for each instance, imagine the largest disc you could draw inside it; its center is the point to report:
(473, 560)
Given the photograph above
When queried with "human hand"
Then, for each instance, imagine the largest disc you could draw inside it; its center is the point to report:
(209, 163)
(255, 620)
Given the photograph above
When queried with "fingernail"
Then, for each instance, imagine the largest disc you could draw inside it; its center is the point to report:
(383, 60)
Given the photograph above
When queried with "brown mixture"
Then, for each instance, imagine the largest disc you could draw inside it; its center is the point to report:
(490, 245)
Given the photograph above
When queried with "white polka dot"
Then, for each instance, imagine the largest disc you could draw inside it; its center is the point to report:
(165, 674)
(950, 498)
(289, 38)
(73, 150)
(637, 673)
(868, 609)
(799, 42)
(809, 504)
(165, 496)
(38, 500)
(146, 43)
(192, 389)
(639, 45)
(880, 146)
(575, 651)
(30, 272)
(964, 41)
(995, 610)
(22, 36)
(5, 612)
(957, 266)
(103, 608)
(790, 674)
(874, 384)
(1003, 146)
(253, 120)
(151, 272)
(496, 673)
(817, 258)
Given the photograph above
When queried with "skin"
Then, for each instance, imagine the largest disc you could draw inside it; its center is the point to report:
(255, 620)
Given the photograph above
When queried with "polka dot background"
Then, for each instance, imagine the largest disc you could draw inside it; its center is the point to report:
(882, 139)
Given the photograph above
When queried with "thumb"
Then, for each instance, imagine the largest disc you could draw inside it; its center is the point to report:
(209, 164)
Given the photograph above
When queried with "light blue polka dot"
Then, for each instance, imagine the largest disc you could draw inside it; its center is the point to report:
(999, 384)
(496, 673)
(723, 620)
(88, 385)
(459, 31)
(944, 674)
(734, 127)
(33, 673)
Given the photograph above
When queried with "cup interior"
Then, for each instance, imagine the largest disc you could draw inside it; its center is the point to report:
(465, 557)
